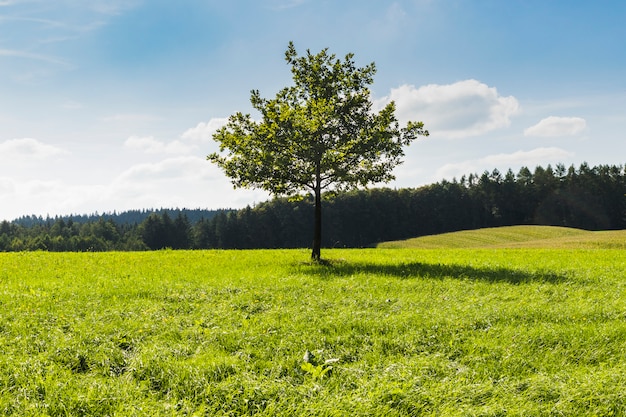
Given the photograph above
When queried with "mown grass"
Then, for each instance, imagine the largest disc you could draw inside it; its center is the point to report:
(517, 237)
(406, 332)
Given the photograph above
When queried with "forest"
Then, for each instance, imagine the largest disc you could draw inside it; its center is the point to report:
(591, 198)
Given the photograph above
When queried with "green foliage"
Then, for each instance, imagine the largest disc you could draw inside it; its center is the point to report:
(159, 232)
(318, 133)
(316, 371)
(407, 332)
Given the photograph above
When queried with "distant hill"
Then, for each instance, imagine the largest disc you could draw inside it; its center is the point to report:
(517, 237)
(130, 217)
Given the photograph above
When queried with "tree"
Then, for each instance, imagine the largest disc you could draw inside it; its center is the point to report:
(181, 232)
(320, 134)
(152, 232)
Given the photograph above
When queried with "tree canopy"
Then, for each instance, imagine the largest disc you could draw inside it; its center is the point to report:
(319, 134)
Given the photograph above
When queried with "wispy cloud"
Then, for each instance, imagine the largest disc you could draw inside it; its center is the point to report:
(108, 7)
(171, 169)
(149, 144)
(285, 4)
(466, 108)
(557, 126)
(37, 57)
(503, 161)
(391, 23)
(48, 23)
(38, 30)
(35, 25)
(113, 7)
(204, 131)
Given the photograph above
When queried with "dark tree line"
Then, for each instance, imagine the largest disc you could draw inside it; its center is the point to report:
(592, 198)
(128, 231)
(130, 217)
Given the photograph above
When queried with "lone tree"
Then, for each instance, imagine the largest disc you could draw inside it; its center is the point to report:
(319, 134)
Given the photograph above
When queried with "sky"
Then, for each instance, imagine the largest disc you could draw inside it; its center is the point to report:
(110, 105)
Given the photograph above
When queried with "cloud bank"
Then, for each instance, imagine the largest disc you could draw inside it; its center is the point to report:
(502, 161)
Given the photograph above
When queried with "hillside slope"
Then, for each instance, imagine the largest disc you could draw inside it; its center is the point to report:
(517, 237)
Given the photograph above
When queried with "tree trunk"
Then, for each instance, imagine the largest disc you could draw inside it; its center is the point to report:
(317, 229)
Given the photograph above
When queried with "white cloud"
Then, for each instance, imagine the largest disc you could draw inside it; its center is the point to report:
(150, 145)
(41, 197)
(533, 157)
(504, 161)
(466, 108)
(557, 126)
(28, 149)
(204, 131)
(171, 169)
(7, 186)
(185, 181)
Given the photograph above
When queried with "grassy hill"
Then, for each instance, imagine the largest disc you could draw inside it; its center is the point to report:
(518, 237)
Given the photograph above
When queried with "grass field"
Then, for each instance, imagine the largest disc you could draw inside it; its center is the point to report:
(398, 332)
(518, 237)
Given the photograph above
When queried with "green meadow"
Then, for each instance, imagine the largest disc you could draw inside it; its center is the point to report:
(553, 237)
(532, 327)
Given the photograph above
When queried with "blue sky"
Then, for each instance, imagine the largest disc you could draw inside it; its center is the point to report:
(110, 104)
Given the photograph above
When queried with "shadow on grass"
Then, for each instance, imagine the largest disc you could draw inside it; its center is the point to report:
(340, 268)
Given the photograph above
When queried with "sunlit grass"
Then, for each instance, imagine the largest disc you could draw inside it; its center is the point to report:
(517, 237)
(406, 332)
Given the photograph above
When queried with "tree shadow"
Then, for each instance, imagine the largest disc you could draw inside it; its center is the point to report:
(340, 268)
